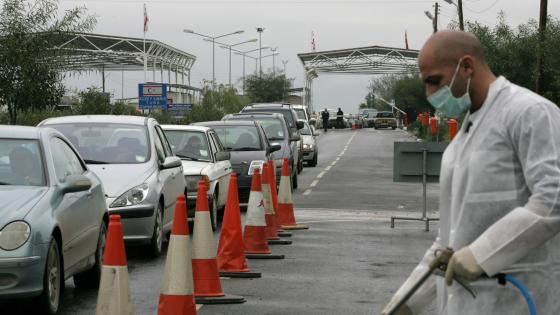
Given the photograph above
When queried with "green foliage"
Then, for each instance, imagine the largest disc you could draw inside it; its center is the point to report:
(30, 67)
(512, 52)
(217, 103)
(409, 95)
(267, 87)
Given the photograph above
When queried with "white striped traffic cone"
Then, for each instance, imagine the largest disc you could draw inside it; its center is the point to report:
(285, 202)
(207, 285)
(270, 216)
(114, 288)
(254, 236)
(177, 290)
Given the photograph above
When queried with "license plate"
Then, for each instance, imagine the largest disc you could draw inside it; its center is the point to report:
(255, 165)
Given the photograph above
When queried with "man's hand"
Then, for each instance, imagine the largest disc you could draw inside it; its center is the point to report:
(403, 310)
(463, 265)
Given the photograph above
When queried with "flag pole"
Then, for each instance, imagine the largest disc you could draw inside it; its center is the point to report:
(145, 57)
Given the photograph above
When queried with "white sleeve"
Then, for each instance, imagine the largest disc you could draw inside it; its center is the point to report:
(427, 292)
(535, 135)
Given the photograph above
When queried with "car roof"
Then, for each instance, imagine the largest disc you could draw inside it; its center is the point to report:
(227, 123)
(116, 119)
(185, 127)
(19, 132)
(269, 105)
(257, 115)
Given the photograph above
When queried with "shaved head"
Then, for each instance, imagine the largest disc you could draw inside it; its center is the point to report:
(446, 47)
(455, 59)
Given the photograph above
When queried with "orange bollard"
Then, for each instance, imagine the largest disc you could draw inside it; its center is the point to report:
(452, 128)
(434, 126)
(425, 119)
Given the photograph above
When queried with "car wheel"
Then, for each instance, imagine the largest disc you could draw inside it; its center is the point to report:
(295, 181)
(314, 161)
(156, 243)
(214, 211)
(90, 278)
(394, 128)
(49, 300)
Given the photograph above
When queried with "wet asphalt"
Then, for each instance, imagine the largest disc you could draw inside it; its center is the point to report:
(349, 262)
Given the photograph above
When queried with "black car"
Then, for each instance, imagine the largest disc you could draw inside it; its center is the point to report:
(291, 118)
(247, 143)
(277, 131)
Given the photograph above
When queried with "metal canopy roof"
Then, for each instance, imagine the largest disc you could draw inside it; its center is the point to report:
(87, 51)
(363, 60)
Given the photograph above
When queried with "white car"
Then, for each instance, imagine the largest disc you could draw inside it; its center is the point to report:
(204, 158)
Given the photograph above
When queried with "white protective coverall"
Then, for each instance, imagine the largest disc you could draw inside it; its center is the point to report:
(500, 190)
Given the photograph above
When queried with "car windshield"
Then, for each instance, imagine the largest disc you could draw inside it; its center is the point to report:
(286, 112)
(385, 115)
(21, 163)
(305, 130)
(189, 144)
(300, 113)
(272, 128)
(239, 138)
(108, 143)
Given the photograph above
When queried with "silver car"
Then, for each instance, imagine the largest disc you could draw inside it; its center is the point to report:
(140, 174)
(52, 216)
(310, 149)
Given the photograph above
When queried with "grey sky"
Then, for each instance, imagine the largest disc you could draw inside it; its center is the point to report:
(336, 24)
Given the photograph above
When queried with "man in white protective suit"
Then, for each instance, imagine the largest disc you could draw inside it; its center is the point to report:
(500, 187)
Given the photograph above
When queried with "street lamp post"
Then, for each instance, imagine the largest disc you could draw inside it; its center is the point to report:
(213, 40)
(229, 47)
(285, 62)
(274, 60)
(459, 6)
(260, 30)
(244, 54)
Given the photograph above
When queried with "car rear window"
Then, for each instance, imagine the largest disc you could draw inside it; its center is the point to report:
(107, 143)
(286, 112)
(239, 138)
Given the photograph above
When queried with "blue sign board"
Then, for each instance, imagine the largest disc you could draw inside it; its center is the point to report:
(152, 96)
(178, 109)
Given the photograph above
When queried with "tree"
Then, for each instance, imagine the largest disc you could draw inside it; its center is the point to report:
(30, 65)
(512, 52)
(217, 103)
(268, 87)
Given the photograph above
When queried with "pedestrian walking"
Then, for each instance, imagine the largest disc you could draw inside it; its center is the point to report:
(500, 187)
(339, 118)
(325, 116)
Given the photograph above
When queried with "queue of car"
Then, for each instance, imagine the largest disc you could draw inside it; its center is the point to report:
(60, 181)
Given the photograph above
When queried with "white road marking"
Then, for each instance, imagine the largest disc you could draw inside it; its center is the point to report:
(328, 168)
(314, 183)
(307, 192)
(338, 158)
(321, 174)
(333, 163)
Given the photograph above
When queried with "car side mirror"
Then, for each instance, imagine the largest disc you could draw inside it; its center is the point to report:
(273, 148)
(75, 183)
(171, 162)
(299, 125)
(222, 156)
(295, 138)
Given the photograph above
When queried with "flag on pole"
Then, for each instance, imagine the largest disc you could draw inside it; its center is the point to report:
(146, 20)
(312, 41)
(405, 40)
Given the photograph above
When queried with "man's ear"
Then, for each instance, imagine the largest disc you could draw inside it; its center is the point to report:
(467, 64)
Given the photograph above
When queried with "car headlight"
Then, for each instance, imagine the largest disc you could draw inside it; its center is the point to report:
(308, 146)
(14, 235)
(132, 197)
(192, 182)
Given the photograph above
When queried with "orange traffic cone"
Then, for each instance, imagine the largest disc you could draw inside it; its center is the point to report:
(231, 255)
(270, 216)
(114, 288)
(285, 202)
(272, 180)
(207, 285)
(254, 238)
(177, 289)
